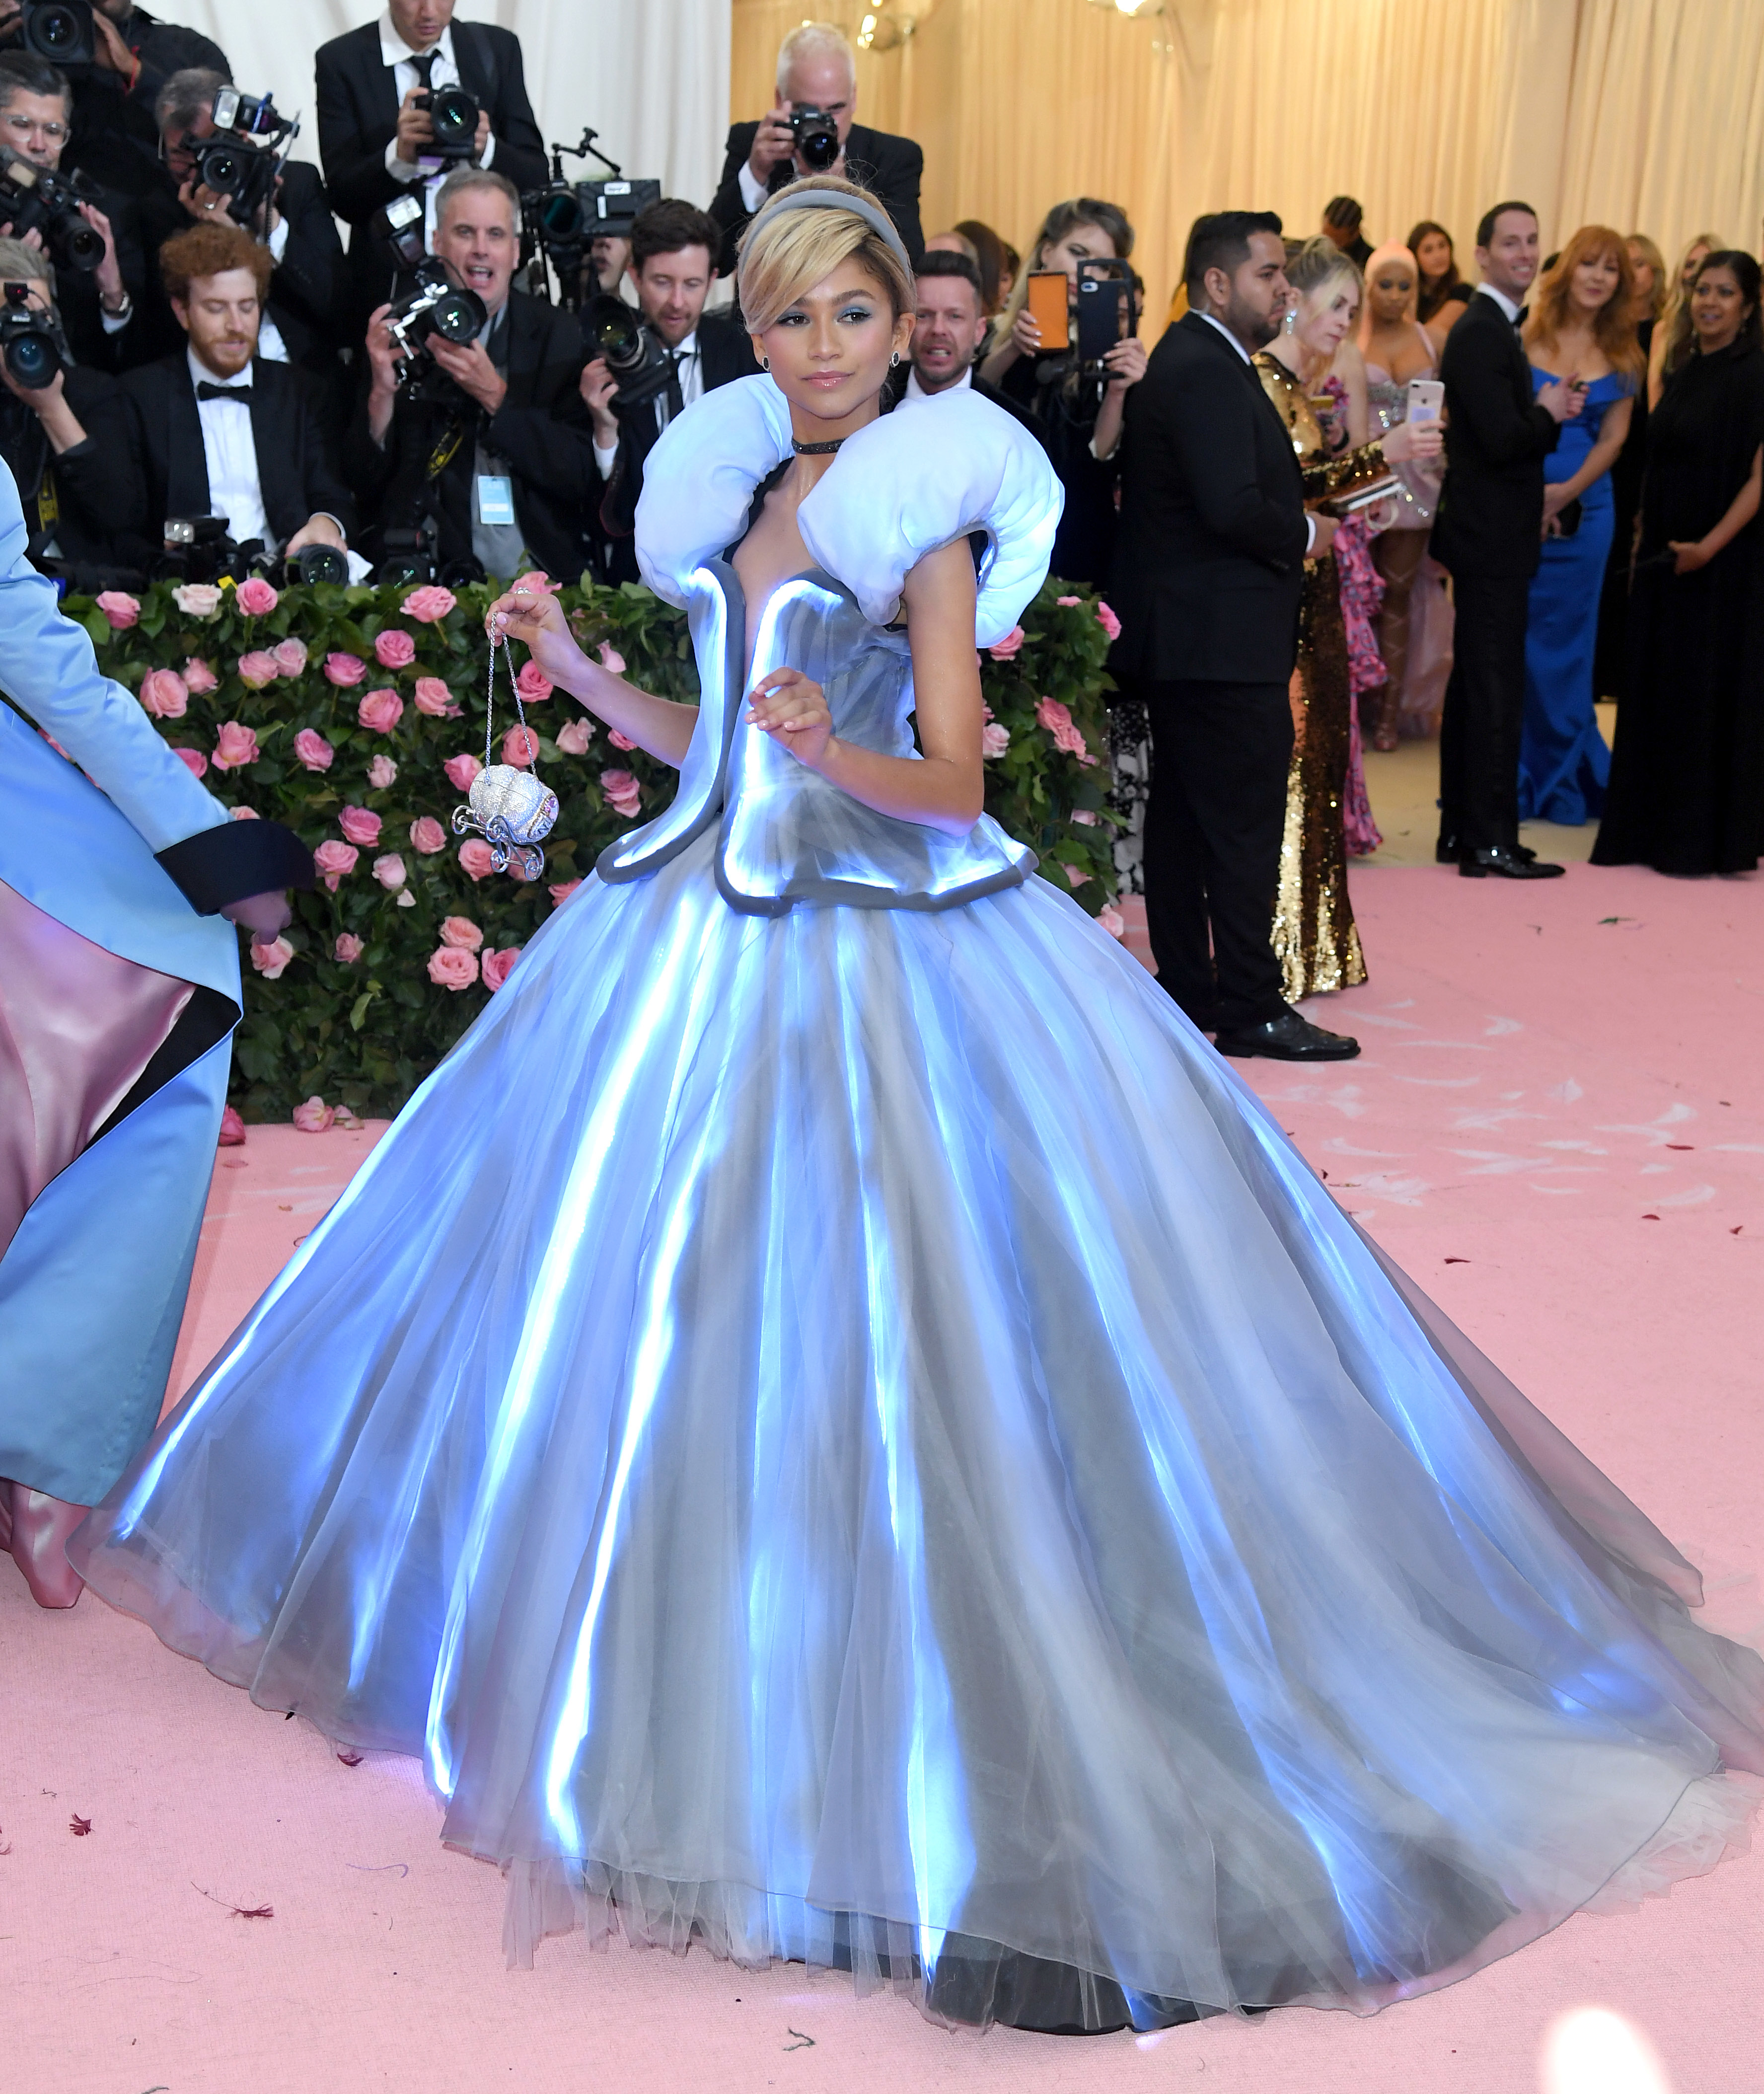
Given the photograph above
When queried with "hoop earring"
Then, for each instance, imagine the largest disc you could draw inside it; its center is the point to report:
(894, 361)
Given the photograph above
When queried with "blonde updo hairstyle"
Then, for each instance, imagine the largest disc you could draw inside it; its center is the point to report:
(785, 254)
(1318, 265)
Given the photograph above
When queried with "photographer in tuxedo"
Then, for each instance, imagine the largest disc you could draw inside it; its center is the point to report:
(1489, 534)
(375, 144)
(1206, 582)
(817, 69)
(673, 247)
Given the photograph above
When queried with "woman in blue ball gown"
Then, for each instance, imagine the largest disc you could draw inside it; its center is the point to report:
(836, 1426)
(1583, 325)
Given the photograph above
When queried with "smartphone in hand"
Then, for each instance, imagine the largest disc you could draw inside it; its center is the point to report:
(1427, 400)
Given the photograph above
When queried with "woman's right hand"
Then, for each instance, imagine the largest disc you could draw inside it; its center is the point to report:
(531, 613)
(1026, 334)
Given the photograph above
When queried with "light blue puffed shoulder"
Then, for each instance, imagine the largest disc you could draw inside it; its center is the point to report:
(899, 489)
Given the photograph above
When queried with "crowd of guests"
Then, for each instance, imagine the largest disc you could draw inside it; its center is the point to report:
(1589, 530)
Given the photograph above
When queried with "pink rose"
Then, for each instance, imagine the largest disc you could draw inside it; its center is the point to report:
(394, 648)
(315, 1116)
(427, 836)
(235, 746)
(461, 769)
(122, 609)
(573, 739)
(333, 860)
(231, 1130)
(610, 660)
(449, 967)
(381, 711)
(313, 750)
(1108, 621)
(620, 740)
(497, 967)
(270, 960)
(433, 697)
(1086, 818)
(1008, 646)
(520, 745)
(257, 669)
(476, 859)
(193, 760)
(1074, 875)
(361, 825)
(244, 814)
(1068, 602)
(1058, 721)
(348, 950)
(344, 670)
(429, 606)
(255, 597)
(382, 772)
(562, 891)
(994, 740)
(461, 931)
(535, 582)
(534, 685)
(1112, 920)
(622, 792)
(199, 677)
(389, 871)
(196, 599)
(164, 693)
(291, 656)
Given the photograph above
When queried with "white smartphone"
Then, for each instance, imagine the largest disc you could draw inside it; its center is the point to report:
(1426, 399)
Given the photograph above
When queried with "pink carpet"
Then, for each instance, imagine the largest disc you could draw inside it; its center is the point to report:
(1557, 1125)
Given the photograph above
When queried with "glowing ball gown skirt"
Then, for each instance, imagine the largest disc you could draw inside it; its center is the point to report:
(845, 1432)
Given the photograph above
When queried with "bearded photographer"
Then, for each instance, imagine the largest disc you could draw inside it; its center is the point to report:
(99, 307)
(66, 442)
(377, 140)
(818, 72)
(673, 247)
(489, 440)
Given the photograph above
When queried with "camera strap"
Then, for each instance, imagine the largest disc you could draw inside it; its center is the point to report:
(446, 449)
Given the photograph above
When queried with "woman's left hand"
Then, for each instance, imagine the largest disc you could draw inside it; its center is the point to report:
(1412, 441)
(1690, 557)
(1126, 364)
(792, 709)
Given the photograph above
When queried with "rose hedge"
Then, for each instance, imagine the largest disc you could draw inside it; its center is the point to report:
(356, 716)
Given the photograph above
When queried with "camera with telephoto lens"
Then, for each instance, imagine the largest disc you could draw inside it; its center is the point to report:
(30, 342)
(35, 200)
(642, 367)
(246, 174)
(434, 307)
(315, 563)
(60, 30)
(201, 549)
(453, 115)
(817, 138)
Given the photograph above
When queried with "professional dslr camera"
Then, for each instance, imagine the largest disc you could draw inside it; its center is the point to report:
(454, 115)
(35, 200)
(31, 344)
(433, 307)
(201, 549)
(246, 174)
(817, 138)
(60, 31)
(635, 358)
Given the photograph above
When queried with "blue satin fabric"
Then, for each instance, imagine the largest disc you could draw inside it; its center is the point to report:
(1564, 761)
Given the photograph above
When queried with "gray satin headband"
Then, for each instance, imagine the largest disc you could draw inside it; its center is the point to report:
(872, 215)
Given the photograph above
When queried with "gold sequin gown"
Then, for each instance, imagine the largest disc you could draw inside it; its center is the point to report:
(1314, 937)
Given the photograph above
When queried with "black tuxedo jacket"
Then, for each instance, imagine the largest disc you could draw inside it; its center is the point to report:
(298, 468)
(81, 498)
(889, 167)
(1210, 559)
(115, 136)
(725, 353)
(542, 428)
(76, 291)
(1491, 516)
(894, 391)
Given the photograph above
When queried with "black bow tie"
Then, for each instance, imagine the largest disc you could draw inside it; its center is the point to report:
(205, 391)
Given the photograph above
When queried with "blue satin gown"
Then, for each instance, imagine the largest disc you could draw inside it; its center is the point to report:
(837, 1428)
(1564, 762)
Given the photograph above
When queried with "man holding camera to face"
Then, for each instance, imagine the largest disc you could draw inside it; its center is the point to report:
(689, 353)
(475, 453)
(809, 130)
(402, 101)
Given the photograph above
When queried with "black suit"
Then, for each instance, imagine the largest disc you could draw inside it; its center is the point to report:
(298, 474)
(890, 168)
(1206, 582)
(79, 499)
(357, 112)
(894, 391)
(76, 291)
(1488, 534)
(116, 139)
(542, 429)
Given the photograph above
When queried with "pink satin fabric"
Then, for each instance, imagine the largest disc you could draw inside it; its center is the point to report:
(77, 1027)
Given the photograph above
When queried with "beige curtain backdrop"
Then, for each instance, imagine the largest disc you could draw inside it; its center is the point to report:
(1646, 114)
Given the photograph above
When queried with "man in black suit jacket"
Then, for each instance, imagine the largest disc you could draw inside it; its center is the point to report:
(673, 245)
(1206, 582)
(948, 331)
(816, 70)
(219, 432)
(492, 442)
(1488, 534)
(375, 144)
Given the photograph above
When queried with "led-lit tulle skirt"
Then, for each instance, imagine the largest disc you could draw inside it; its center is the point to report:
(853, 1436)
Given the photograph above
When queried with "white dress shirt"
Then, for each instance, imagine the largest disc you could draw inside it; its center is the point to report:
(234, 489)
(690, 366)
(396, 53)
(1507, 305)
(915, 391)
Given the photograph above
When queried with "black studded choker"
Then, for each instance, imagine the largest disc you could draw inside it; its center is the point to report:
(815, 450)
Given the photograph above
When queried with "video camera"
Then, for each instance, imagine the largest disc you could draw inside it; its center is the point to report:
(201, 549)
(817, 138)
(35, 200)
(245, 174)
(559, 223)
(434, 307)
(31, 343)
(642, 367)
(60, 31)
(409, 560)
(453, 115)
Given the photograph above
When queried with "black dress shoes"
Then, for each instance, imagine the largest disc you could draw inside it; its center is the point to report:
(1287, 1038)
(1449, 851)
(1516, 863)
